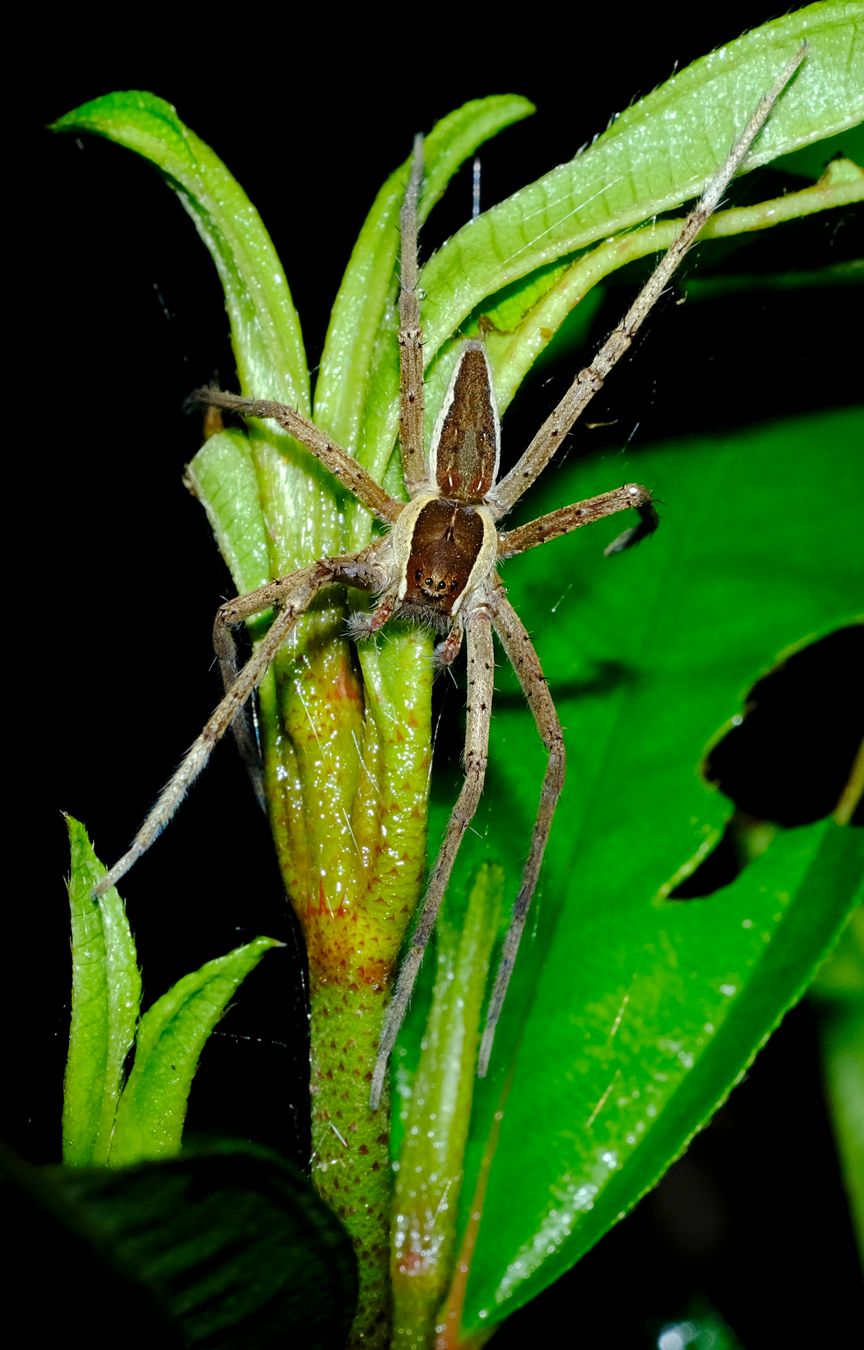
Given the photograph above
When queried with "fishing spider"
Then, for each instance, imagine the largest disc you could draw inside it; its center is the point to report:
(437, 564)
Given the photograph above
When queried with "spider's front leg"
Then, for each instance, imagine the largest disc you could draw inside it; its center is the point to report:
(519, 648)
(525, 661)
(632, 496)
(290, 596)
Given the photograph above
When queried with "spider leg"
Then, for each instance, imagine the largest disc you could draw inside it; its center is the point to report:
(362, 624)
(481, 676)
(342, 466)
(226, 653)
(570, 518)
(447, 651)
(518, 646)
(291, 596)
(411, 400)
(590, 380)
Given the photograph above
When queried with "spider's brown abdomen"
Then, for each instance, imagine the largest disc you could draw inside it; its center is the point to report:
(445, 545)
(467, 435)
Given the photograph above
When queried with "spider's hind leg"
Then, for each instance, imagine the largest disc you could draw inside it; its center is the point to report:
(519, 648)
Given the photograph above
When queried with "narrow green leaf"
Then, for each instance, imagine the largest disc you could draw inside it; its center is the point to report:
(265, 330)
(841, 979)
(222, 477)
(170, 1039)
(106, 992)
(657, 154)
(535, 308)
(839, 990)
(434, 1129)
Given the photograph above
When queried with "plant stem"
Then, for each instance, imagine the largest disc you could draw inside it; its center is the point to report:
(347, 754)
(350, 1145)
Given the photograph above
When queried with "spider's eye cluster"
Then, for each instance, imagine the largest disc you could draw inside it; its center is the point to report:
(444, 546)
(430, 585)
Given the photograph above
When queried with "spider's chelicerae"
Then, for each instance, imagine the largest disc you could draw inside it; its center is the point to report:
(438, 563)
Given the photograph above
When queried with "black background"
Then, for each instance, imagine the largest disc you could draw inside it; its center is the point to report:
(113, 578)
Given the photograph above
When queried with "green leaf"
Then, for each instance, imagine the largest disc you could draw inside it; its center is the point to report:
(222, 477)
(529, 312)
(230, 1247)
(106, 993)
(430, 1140)
(170, 1039)
(839, 989)
(658, 154)
(265, 329)
(629, 1016)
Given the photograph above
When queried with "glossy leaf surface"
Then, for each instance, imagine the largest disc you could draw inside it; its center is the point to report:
(630, 1016)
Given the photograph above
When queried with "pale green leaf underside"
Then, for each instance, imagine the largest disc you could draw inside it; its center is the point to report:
(657, 155)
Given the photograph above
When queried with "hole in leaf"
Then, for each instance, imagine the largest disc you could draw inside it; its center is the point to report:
(790, 756)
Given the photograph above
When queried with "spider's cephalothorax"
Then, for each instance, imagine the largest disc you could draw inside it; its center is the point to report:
(437, 564)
